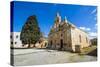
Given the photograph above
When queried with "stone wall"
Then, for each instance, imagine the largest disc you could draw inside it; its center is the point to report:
(80, 38)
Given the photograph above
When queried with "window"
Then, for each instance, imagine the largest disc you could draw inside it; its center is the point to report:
(57, 19)
(16, 36)
(80, 38)
(11, 42)
(11, 37)
(15, 42)
(86, 40)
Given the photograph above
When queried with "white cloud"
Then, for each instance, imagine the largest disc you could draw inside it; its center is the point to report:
(85, 29)
(92, 35)
(93, 12)
(96, 26)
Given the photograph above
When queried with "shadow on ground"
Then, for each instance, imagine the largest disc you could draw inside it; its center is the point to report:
(93, 53)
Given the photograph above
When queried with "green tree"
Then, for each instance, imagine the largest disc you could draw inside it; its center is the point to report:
(30, 33)
(94, 41)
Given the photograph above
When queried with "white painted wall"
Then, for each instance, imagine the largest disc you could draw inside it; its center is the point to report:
(15, 39)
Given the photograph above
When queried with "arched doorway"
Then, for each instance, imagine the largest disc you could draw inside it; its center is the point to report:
(61, 43)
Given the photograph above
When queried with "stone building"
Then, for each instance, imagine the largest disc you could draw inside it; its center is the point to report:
(66, 36)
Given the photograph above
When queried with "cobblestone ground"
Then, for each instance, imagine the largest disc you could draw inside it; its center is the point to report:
(24, 57)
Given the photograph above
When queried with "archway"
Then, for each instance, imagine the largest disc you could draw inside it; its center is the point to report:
(61, 43)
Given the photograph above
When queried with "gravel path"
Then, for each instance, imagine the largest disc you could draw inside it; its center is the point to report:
(43, 56)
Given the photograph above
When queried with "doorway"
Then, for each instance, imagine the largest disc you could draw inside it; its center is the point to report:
(61, 43)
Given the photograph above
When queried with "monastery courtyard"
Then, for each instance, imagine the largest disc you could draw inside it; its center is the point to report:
(44, 56)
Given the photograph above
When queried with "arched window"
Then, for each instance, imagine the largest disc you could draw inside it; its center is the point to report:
(86, 40)
(80, 38)
(61, 35)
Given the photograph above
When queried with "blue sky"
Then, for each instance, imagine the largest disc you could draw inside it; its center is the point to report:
(84, 17)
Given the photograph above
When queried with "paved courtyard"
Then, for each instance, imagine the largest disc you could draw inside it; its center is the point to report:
(44, 56)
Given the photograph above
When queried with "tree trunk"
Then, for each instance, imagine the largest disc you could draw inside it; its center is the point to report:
(29, 45)
(34, 45)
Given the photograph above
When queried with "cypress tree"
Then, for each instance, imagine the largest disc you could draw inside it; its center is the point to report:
(30, 32)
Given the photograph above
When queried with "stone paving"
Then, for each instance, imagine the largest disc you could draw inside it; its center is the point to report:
(24, 57)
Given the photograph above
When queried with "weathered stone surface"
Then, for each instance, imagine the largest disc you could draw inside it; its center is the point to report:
(66, 36)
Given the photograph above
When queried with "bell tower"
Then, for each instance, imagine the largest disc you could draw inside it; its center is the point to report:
(57, 20)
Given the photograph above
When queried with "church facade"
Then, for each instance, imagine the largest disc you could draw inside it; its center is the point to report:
(66, 36)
